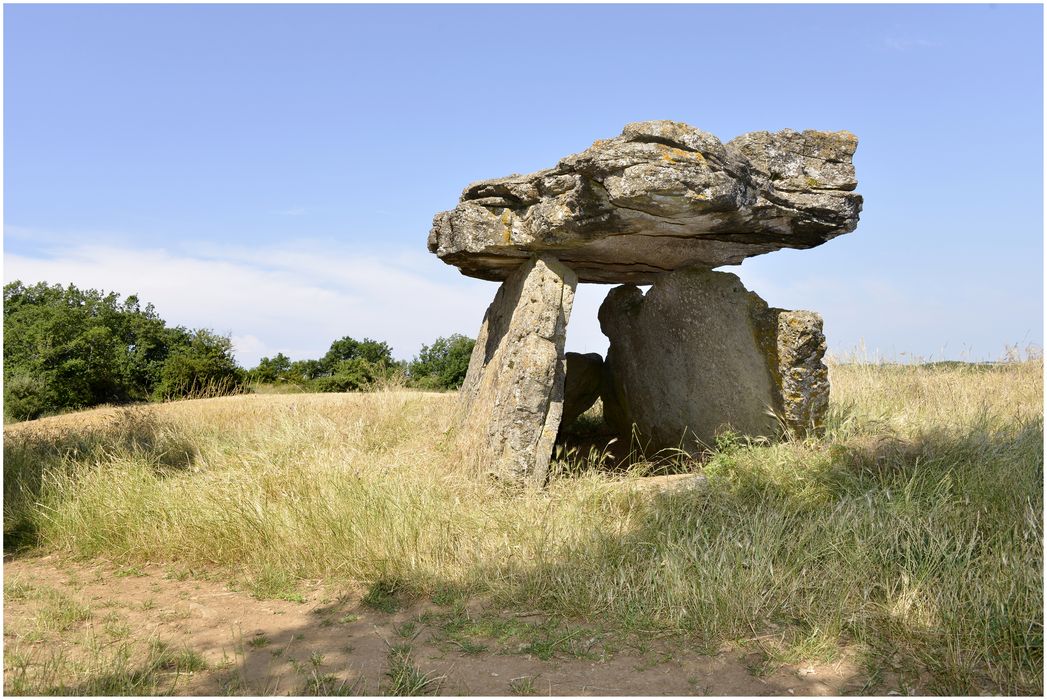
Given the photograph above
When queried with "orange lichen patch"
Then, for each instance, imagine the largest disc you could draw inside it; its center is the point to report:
(671, 154)
(507, 221)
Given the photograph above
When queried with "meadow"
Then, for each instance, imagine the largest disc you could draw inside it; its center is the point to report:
(909, 537)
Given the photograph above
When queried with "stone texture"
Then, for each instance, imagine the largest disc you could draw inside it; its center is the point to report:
(510, 404)
(660, 197)
(582, 385)
(699, 353)
(802, 375)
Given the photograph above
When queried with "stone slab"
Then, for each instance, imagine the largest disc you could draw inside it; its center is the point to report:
(660, 197)
(510, 404)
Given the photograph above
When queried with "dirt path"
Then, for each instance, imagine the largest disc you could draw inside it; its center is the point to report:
(231, 643)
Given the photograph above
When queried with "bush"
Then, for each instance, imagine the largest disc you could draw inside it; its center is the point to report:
(202, 367)
(349, 365)
(70, 348)
(25, 397)
(271, 370)
(443, 364)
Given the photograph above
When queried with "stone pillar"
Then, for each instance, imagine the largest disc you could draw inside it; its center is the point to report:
(699, 354)
(511, 401)
(802, 375)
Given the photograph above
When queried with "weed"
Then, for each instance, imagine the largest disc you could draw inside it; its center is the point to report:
(382, 596)
(129, 571)
(275, 584)
(327, 684)
(447, 595)
(16, 589)
(523, 685)
(60, 612)
(404, 678)
(259, 641)
(408, 630)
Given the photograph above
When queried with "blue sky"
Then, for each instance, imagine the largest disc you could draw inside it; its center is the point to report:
(272, 172)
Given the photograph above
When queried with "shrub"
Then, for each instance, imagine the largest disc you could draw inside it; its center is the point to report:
(443, 364)
(202, 367)
(25, 397)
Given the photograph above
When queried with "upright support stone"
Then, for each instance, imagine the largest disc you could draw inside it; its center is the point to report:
(803, 376)
(511, 402)
(699, 353)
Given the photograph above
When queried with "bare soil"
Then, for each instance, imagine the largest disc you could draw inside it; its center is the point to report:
(332, 642)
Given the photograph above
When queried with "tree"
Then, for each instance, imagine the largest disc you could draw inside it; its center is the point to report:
(375, 352)
(443, 364)
(202, 367)
(351, 375)
(305, 370)
(70, 348)
(272, 370)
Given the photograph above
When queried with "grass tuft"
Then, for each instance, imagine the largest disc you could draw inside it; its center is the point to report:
(405, 679)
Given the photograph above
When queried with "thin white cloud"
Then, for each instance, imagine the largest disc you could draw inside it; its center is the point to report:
(276, 300)
(297, 297)
(895, 43)
(292, 211)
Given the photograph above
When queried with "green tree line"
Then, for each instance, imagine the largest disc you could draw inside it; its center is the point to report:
(354, 364)
(67, 348)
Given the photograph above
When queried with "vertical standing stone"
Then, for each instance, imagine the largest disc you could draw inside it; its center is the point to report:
(803, 376)
(684, 360)
(511, 402)
(699, 354)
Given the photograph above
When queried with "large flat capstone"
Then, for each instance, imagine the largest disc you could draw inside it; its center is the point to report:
(510, 403)
(700, 354)
(660, 197)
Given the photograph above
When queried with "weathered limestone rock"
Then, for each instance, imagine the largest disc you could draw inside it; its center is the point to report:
(582, 386)
(660, 197)
(699, 353)
(683, 359)
(510, 404)
(803, 377)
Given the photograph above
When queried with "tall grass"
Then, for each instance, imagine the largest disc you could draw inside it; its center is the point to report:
(911, 531)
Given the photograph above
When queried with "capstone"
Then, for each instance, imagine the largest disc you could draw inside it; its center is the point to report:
(660, 197)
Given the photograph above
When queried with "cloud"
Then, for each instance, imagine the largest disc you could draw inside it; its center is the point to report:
(293, 211)
(298, 296)
(908, 43)
(277, 299)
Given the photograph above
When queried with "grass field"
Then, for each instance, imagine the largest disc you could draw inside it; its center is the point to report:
(911, 534)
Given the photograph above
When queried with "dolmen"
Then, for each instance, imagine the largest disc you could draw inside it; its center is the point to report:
(661, 205)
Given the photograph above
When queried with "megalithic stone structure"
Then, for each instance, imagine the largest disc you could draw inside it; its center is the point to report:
(661, 204)
(510, 403)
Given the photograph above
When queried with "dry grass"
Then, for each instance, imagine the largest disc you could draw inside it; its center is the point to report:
(912, 531)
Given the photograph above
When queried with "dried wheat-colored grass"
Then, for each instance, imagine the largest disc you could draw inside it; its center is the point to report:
(912, 530)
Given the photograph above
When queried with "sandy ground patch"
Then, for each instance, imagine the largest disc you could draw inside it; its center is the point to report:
(332, 642)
